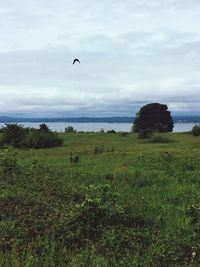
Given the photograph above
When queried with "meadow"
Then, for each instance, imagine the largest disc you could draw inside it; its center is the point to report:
(102, 199)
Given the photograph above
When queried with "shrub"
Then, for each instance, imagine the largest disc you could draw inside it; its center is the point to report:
(13, 134)
(90, 215)
(20, 137)
(41, 139)
(196, 130)
(99, 209)
(145, 134)
(160, 139)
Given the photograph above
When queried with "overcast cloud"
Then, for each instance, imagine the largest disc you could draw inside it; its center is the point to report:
(132, 52)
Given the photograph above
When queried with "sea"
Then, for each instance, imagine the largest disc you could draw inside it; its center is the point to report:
(96, 127)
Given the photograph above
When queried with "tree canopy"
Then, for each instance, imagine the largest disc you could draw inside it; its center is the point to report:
(154, 117)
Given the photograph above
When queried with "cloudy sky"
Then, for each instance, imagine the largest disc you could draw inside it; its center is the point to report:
(132, 52)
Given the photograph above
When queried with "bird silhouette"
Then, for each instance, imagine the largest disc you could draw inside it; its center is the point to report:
(76, 60)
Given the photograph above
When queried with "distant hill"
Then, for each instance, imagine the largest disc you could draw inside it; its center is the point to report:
(5, 119)
(195, 119)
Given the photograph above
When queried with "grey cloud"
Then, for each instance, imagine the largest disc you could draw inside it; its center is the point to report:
(131, 53)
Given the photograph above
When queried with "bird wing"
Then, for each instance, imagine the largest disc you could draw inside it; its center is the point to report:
(76, 60)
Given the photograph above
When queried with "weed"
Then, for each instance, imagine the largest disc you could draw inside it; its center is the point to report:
(74, 157)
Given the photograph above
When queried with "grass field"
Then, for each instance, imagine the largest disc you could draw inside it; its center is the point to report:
(101, 200)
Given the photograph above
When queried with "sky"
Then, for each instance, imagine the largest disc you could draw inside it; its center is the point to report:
(132, 52)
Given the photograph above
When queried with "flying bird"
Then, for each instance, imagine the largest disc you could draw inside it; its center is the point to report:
(76, 60)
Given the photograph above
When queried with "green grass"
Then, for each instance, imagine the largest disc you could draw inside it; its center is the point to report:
(102, 200)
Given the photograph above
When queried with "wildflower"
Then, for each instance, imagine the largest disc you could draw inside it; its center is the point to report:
(193, 255)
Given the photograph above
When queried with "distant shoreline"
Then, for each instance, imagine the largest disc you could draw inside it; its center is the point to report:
(176, 119)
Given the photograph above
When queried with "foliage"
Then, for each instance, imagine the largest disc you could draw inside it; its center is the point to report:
(160, 139)
(123, 134)
(95, 211)
(135, 204)
(41, 139)
(153, 116)
(9, 163)
(20, 137)
(74, 157)
(70, 129)
(145, 133)
(196, 130)
(13, 134)
(44, 127)
(111, 131)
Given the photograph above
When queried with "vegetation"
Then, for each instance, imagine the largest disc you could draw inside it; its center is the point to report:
(101, 200)
(124, 133)
(20, 137)
(196, 130)
(157, 138)
(145, 133)
(70, 129)
(153, 116)
(111, 131)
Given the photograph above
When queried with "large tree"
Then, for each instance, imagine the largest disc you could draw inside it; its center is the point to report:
(154, 116)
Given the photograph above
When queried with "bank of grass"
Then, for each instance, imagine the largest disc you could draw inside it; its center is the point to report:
(102, 200)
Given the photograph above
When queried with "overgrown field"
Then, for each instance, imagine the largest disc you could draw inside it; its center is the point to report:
(101, 200)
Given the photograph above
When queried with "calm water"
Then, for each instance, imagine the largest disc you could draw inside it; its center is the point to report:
(96, 127)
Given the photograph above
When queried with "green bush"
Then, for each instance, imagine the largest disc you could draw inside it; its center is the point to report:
(145, 134)
(13, 134)
(196, 130)
(99, 209)
(20, 137)
(41, 139)
(160, 139)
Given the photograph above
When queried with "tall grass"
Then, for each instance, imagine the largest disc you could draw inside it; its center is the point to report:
(101, 200)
